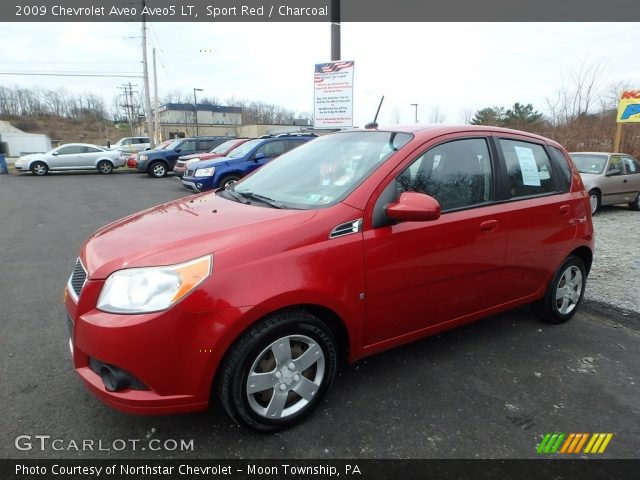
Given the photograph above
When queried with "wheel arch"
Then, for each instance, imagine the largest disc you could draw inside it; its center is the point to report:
(586, 255)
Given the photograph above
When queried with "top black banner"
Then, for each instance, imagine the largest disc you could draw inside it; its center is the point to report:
(320, 11)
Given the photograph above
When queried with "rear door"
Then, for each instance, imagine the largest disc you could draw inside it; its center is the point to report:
(615, 188)
(541, 222)
(632, 177)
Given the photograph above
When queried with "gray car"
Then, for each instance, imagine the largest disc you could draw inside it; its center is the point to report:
(610, 178)
(71, 156)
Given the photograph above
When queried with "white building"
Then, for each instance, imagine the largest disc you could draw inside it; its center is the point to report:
(179, 118)
(21, 143)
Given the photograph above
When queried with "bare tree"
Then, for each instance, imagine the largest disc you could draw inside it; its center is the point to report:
(436, 115)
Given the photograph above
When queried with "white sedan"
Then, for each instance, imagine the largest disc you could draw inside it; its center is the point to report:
(71, 156)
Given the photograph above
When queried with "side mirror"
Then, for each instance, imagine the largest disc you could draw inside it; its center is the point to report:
(614, 171)
(55, 154)
(259, 156)
(413, 207)
(178, 150)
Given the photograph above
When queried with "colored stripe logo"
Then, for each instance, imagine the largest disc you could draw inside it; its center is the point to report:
(569, 443)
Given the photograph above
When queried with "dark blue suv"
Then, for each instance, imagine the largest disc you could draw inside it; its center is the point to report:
(158, 162)
(219, 172)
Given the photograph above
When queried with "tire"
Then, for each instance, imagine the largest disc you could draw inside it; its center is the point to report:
(39, 168)
(635, 205)
(595, 201)
(227, 179)
(564, 293)
(105, 167)
(278, 405)
(157, 170)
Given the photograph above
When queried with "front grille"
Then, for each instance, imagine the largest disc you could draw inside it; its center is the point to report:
(189, 173)
(78, 278)
(70, 326)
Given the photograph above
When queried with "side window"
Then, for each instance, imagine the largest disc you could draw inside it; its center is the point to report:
(188, 146)
(457, 174)
(529, 168)
(206, 144)
(91, 150)
(631, 165)
(615, 165)
(271, 149)
(70, 150)
(291, 144)
(561, 164)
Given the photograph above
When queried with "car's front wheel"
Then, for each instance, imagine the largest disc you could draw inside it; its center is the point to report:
(564, 293)
(39, 168)
(105, 167)
(228, 180)
(635, 205)
(277, 372)
(157, 169)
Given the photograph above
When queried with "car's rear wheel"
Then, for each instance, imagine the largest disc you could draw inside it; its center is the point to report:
(157, 169)
(228, 180)
(594, 200)
(564, 293)
(105, 167)
(635, 205)
(39, 168)
(277, 372)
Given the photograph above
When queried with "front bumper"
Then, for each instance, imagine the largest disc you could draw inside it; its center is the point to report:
(174, 353)
(192, 184)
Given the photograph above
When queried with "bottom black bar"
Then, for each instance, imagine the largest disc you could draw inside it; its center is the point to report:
(541, 469)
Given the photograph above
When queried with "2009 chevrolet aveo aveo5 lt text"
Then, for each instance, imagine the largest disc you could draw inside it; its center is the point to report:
(351, 244)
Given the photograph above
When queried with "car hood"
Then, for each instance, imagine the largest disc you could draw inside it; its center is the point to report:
(32, 156)
(182, 230)
(204, 156)
(214, 162)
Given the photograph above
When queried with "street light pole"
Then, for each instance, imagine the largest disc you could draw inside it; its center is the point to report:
(416, 107)
(195, 108)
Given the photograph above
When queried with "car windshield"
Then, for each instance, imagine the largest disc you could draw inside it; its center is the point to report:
(243, 149)
(588, 163)
(323, 171)
(223, 147)
(173, 145)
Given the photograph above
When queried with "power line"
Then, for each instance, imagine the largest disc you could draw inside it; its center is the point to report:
(105, 75)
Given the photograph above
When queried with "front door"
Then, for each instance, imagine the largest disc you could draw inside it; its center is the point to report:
(420, 274)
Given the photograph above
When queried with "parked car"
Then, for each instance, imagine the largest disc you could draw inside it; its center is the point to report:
(346, 246)
(249, 156)
(221, 150)
(132, 160)
(610, 178)
(71, 156)
(132, 145)
(158, 162)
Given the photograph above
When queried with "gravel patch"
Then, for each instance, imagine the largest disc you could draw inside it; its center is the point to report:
(615, 275)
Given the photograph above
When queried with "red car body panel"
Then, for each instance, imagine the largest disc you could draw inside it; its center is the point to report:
(378, 283)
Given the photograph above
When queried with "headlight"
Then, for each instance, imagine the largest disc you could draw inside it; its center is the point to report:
(193, 160)
(150, 289)
(143, 158)
(205, 172)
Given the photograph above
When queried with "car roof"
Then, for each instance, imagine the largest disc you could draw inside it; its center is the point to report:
(82, 145)
(433, 130)
(597, 153)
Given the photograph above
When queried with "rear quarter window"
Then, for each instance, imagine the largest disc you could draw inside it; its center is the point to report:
(561, 164)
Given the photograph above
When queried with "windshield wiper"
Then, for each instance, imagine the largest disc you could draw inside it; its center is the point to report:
(261, 198)
(236, 196)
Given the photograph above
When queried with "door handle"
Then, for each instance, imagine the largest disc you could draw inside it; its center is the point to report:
(489, 226)
(564, 209)
(624, 181)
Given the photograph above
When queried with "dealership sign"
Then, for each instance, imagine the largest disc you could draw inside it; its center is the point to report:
(333, 95)
(629, 107)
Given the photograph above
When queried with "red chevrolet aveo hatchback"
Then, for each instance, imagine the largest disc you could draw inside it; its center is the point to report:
(349, 245)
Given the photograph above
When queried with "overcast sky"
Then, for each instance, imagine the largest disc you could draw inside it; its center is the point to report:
(456, 66)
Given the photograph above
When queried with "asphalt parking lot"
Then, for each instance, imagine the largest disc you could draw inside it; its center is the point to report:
(488, 390)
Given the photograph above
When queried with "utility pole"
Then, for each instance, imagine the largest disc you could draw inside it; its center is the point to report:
(145, 74)
(335, 30)
(156, 125)
(129, 106)
(195, 108)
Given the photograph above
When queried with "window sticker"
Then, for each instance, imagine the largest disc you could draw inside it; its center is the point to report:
(528, 167)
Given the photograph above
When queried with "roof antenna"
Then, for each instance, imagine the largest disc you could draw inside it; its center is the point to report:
(374, 124)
